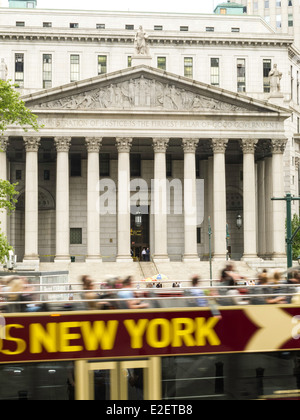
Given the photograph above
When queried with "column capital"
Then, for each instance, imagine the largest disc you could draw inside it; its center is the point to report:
(93, 144)
(160, 144)
(32, 143)
(190, 145)
(62, 144)
(124, 144)
(248, 145)
(278, 145)
(219, 145)
(4, 140)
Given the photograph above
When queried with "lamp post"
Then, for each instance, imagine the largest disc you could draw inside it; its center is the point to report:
(290, 236)
(210, 254)
(239, 221)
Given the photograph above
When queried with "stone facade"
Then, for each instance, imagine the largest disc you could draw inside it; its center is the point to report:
(192, 148)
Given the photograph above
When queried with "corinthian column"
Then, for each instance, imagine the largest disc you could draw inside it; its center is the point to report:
(62, 199)
(31, 199)
(219, 233)
(93, 218)
(159, 195)
(3, 176)
(279, 212)
(124, 249)
(190, 200)
(249, 194)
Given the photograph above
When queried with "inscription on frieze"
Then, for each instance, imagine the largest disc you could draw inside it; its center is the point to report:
(207, 124)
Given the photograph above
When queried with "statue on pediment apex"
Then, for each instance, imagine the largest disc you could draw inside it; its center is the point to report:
(141, 42)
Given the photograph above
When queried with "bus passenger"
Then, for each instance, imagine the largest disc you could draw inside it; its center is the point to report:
(195, 291)
(127, 293)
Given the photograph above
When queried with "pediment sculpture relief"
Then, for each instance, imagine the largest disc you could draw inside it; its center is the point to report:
(140, 93)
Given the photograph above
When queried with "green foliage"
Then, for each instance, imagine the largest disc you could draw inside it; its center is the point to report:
(4, 247)
(13, 109)
(8, 196)
(296, 242)
(8, 200)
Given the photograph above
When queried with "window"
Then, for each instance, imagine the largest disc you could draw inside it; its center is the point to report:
(188, 67)
(75, 68)
(102, 64)
(129, 61)
(20, 23)
(210, 29)
(198, 235)
(104, 164)
(74, 25)
(235, 30)
(47, 24)
(76, 236)
(184, 28)
(267, 66)
(129, 27)
(30, 5)
(75, 164)
(169, 166)
(158, 27)
(18, 174)
(215, 71)
(19, 70)
(223, 11)
(162, 63)
(46, 175)
(241, 75)
(278, 21)
(135, 164)
(290, 20)
(47, 71)
(100, 26)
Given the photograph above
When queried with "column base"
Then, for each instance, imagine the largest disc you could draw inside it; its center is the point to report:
(62, 258)
(93, 259)
(279, 258)
(190, 258)
(160, 258)
(219, 257)
(124, 259)
(250, 258)
(32, 260)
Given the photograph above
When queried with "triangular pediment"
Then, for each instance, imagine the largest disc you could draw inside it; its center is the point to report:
(146, 89)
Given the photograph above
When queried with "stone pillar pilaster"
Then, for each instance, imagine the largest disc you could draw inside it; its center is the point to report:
(62, 199)
(249, 194)
(124, 243)
(159, 199)
(31, 199)
(93, 217)
(279, 209)
(190, 200)
(219, 192)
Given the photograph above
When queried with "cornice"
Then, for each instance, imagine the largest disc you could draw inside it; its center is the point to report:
(163, 38)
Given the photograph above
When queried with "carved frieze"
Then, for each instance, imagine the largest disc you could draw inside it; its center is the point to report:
(140, 93)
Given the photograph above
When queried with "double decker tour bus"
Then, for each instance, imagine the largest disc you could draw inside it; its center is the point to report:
(184, 353)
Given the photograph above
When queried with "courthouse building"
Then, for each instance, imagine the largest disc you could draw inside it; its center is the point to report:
(149, 97)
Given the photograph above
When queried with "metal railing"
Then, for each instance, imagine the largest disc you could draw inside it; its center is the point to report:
(172, 296)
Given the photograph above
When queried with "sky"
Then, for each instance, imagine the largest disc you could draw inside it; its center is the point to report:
(192, 6)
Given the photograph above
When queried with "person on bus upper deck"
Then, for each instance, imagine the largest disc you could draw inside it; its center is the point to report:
(195, 291)
(126, 293)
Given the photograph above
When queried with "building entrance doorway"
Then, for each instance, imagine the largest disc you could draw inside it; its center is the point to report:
(140, 235)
